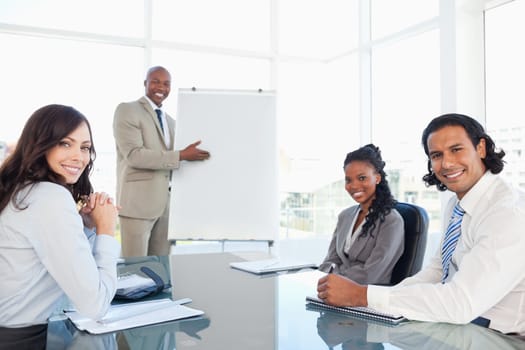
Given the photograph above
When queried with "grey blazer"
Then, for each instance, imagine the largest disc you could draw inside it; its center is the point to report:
(370, 259)
(144, 163)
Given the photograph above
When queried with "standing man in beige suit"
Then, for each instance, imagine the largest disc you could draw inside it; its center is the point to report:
(144, 136)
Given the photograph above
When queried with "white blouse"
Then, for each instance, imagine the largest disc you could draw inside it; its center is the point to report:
(45, 254)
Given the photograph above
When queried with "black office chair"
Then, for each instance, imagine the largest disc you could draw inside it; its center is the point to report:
(416, 231)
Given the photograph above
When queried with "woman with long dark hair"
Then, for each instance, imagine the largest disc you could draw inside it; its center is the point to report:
(56, 235)
(369, 237)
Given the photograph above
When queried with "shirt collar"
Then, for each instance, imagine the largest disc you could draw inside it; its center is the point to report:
(477, 192)
(152, 104)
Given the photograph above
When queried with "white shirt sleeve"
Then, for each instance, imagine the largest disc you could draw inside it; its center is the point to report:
(491, 266)
(87, 278)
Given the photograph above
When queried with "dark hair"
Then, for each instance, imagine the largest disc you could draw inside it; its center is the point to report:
(493, 160)
(383, 201)
(27, 164)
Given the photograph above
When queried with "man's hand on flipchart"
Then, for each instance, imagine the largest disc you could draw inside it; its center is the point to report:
(192, 152)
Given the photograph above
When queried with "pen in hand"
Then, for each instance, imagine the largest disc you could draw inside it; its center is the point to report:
(332, 268)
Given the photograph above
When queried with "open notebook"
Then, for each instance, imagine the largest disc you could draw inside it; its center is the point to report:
(271, 265)
(360, 312)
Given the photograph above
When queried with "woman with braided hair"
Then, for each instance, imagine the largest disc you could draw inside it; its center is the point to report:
(369, 237)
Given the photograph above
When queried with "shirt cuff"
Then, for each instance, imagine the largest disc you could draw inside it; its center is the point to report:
(91, 236)
(378, 297)
(106, 246)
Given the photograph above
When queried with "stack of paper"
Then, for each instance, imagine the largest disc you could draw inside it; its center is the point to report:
(127, 284)
(271, 265)
(125, 316)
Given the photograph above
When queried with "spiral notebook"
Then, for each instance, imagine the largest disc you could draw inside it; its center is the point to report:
(360, 312)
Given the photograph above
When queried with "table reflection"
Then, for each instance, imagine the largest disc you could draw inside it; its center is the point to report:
(444, 336)
(337, 329)
(351, 333)
(62, 335)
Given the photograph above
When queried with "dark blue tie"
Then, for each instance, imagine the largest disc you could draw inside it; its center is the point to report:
(159, 117)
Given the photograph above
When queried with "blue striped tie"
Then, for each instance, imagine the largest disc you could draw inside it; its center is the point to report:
(451, 239)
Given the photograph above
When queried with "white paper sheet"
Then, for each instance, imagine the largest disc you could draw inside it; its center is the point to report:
(125, 316)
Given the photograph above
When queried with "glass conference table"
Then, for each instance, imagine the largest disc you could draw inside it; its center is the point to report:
(246, 311)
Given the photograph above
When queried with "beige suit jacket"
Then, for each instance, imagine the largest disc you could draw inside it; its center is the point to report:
(144, 163)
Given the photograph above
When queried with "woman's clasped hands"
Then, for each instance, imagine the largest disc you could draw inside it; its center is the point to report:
(100, 212)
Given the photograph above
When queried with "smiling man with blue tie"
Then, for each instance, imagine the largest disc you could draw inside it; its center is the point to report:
(479, 273)
(145, 158)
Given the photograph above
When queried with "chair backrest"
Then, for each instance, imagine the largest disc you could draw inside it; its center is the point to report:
(416, 230)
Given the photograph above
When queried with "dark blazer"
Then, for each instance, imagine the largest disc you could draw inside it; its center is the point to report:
(370, 259)
(144, 163)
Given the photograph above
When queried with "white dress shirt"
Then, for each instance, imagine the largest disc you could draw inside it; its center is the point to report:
(165, 127)
(487, 276)
(45, 254)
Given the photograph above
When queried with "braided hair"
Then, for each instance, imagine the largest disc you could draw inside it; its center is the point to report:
(383, 201)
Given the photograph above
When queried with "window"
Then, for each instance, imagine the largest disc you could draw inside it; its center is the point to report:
(77, 15)
(318, 125)
(505, 73)
(40, 71)
(389, 17)
(317, 28)
(405, 97)
(236, 24)
(318, 109)
(212, 70)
